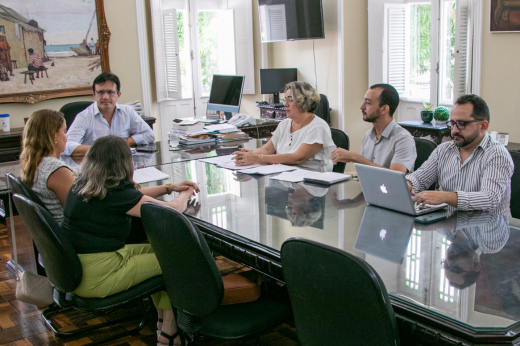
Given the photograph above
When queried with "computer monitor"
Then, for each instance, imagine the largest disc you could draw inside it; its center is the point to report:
(274, 80)
(225, 95)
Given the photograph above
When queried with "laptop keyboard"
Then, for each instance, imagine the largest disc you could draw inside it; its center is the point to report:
(426, 208)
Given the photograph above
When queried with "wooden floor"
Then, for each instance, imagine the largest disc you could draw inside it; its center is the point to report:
(21, 324)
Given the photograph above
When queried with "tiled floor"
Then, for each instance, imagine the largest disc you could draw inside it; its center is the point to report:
(21, 324)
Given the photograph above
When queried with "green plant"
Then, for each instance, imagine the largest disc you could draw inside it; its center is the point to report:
(441, 114)
(426, 106)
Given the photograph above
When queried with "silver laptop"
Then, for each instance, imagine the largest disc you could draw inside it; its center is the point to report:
(384, 233)
(388, 189)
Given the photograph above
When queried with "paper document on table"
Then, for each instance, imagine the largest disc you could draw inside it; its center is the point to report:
(218, 159)
(232, 165)
(294, 176)
(269, 169)
(222, 128)
(145, 175)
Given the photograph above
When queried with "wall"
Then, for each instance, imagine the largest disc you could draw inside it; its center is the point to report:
(124, 61)
(500, 81)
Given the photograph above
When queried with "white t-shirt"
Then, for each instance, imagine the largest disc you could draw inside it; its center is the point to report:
(317, 131)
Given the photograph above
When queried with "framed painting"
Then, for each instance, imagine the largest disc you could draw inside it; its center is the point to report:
(505, 16)
(51, 48)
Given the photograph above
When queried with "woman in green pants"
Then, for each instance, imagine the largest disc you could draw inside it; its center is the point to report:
(97, 220)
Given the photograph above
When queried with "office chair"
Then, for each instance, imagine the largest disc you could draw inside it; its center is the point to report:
(323, 110)
(194, 284)
(515, 186)
(341, 140)
(337, 298)
(424, 148)
(65, 272)
(70, 110)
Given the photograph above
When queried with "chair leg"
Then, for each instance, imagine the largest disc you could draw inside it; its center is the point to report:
(53, 310)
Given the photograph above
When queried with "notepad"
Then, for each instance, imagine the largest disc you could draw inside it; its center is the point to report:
(326, 178)
(148, 174)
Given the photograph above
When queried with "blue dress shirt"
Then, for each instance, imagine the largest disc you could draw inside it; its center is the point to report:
(90, 125)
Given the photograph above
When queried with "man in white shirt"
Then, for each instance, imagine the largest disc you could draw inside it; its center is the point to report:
(106, 117)
(473, 171)
(386, 145)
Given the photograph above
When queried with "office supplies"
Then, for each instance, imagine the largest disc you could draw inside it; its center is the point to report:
(222, 128)
(145, 175)
(267, 169)
(389, 189)
(326, 178)
(384, 234)
(240, 119)
(500, 137)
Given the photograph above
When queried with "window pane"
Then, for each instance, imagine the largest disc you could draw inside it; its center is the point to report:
(447, 57)
(420, 38)
(184, 53)
(216, 46)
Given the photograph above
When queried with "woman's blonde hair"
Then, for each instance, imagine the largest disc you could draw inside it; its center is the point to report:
(107, 163)
(305, 96)
(38, 141)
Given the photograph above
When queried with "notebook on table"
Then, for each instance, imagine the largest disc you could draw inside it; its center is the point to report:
(389, 189)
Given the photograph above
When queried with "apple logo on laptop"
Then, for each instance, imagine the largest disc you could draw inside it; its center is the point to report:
(383, 188)
(382, 234)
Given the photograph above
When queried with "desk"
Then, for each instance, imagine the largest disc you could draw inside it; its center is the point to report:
(269, 111)
(419, 129)
(246, 219)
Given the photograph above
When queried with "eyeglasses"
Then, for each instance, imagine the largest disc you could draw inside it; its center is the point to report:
(107, 92)
(288, 100)
(453, 268)
(461, 124)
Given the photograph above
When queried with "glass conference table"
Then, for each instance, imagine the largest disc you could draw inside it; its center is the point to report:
(456, 280)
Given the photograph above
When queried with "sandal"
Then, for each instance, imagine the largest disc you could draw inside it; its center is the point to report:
(171, 339)
(159, 320)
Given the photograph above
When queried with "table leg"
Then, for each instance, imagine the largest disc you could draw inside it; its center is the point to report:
(25, 79)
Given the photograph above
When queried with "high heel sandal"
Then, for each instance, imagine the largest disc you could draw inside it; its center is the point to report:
(185, 339)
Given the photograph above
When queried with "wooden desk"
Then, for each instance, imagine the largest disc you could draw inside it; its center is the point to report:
(419, 129)
(269, 111)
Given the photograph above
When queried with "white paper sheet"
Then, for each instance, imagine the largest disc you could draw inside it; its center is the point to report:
(222, 128)
(145, 175)
(269, 169)
(293, 176)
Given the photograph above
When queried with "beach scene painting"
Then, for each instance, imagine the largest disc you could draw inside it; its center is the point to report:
(48, 47)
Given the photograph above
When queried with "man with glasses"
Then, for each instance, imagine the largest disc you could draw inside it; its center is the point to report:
(387, 144)
(473, 170)
(106, 117)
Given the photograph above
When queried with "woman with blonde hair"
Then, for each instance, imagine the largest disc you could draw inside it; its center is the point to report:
(303, 139)
(97, 222)
(44, 139)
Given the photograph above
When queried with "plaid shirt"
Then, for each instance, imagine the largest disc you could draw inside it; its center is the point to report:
(35, 60)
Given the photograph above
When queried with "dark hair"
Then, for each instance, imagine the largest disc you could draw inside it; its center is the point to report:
(389, 96)
(106, 77)
(30, 50)
(470, 277)
(480, 107)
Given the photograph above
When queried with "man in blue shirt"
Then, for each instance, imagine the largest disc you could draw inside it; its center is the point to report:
(106, 117)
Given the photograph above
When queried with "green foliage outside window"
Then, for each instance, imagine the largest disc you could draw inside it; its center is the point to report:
(207, 43)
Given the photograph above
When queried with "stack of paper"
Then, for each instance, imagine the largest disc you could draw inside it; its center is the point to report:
(145, 175)
(325, 178)
(222, 128)
(136, 106)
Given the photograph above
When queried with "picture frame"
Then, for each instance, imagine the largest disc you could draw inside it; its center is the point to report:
(504, 16)
(69, 68)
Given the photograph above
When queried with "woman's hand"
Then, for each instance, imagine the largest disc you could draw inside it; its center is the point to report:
(245, 157)
(185, 185)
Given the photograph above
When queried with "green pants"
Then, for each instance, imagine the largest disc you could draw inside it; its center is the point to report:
(108, 273)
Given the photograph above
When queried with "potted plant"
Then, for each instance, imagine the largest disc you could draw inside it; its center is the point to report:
(441, 116)
(426, 113)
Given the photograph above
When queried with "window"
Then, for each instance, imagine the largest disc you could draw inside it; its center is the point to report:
(425, 59)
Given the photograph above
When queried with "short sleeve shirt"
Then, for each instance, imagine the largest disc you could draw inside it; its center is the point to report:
(396, 145)
(317, 131)
(100, 225)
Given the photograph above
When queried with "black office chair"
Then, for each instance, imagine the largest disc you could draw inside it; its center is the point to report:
(515, 186)
(323, 110)
(337, 298)
(70, 110)
(194, 284)
(341, 140)
(424, 148)
(19, 187)
(64, 272)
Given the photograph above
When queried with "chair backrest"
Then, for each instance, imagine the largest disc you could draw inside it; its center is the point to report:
(424, 149)
(61, 262)
(70, 110)
(323, 110)
(19, 187)
(336, 298)
(341, 140)
(191, 277)
(515, 186)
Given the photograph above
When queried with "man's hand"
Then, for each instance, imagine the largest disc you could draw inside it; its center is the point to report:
(342, 155)
(436, 197)
(410, 187)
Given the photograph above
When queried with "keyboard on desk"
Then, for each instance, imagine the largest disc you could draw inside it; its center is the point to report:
(427, 208)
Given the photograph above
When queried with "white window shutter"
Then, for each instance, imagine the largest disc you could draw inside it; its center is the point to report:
(395, 47)
(171, 48)
(166, 48)
(463, 47)
(244, 52)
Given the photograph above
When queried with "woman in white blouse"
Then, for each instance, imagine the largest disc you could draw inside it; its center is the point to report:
(303, 139)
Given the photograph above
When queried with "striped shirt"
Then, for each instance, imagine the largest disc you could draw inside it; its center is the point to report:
(482, 182)
(486, 233)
